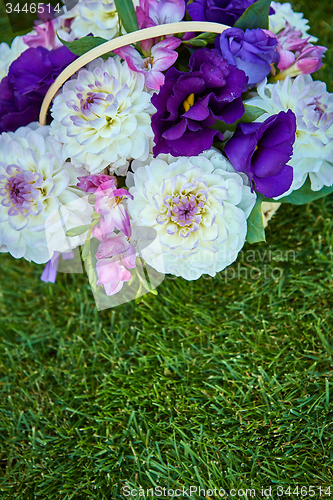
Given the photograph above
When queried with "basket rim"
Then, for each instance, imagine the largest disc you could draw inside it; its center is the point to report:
(116, 43)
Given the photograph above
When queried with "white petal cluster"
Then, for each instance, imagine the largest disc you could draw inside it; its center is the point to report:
(197, 209)
(34, 185)
(10, 54)
(284, 14)
(103, 116)
(98, 17)
(313, 107)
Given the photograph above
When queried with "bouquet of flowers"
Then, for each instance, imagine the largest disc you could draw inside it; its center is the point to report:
(156, 158)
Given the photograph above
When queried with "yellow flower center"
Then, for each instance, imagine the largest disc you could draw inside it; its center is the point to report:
(188, 103)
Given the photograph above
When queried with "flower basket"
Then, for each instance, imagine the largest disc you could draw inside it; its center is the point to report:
(158, 173)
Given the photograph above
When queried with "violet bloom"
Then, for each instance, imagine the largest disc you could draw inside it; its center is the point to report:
(189, 104)
(29, 78)
(37, 68)
(115, 256)
(49, 275)
(155, 12)
(109, 205)
(16, 110)
(252, 51)
(162, 57)
(90, 183)
(262, 151)
(218, 11)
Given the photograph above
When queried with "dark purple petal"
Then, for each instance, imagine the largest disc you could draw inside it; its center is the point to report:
(218, 11)
(190, 142)
(188, 104)
(276, 185)
(239, 149)
(28, 80)
(262, 151)
(199, 110)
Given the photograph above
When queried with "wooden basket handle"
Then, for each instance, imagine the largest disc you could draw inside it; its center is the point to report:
(122, 41)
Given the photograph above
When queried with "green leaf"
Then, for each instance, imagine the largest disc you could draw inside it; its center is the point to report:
(83, 45)
(201, 40)
(127, 15)
(304, 194)
(251, 113)
(255, 16)
(75, 231)
(255, 223)
(91, 271)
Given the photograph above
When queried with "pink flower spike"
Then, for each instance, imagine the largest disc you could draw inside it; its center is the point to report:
(114, 244)
(309, 61)
(155, 12)
(115, 256)
(90, 183)
(162, 58)
(109, 205)
(45, 36)
(287, 58)
(166, 11)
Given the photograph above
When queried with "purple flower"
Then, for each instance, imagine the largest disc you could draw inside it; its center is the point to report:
(49, 275)
(218, 11)
(16, 110)
(189, 104)
(262, 151)
(37, 68)
(29, 78)
(252, 51)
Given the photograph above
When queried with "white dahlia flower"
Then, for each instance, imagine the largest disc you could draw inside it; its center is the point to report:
(198, 211)
(98, 17)
(10, 54)
(34, 185)
(103, 116)
(313, 107)
(284, 14)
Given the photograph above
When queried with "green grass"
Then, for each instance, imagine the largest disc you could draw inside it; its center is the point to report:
(222, 383)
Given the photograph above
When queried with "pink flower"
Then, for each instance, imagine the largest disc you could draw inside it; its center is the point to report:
(115, 256)
(90, 183)
(307, 62)
(155, 12)
(114, 214)
(162, 58)
(297, 55)
(44, 34)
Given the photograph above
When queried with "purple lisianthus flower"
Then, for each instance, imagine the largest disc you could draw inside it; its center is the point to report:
(262, 151)
(37, 68)
(16, 110)
(189, 104)
(218, 11)
(252, 51)
(29, 78)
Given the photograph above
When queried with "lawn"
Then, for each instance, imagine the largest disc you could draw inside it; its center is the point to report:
(219, 383)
